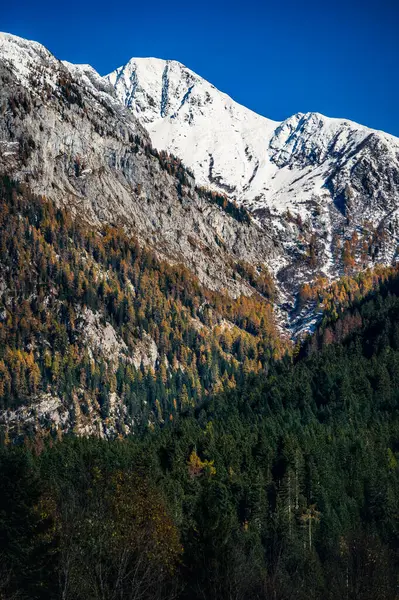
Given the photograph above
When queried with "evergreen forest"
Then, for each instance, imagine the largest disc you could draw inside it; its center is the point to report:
(241, 468)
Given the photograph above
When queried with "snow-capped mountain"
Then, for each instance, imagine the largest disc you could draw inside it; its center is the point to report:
(307, 178)
(65, 133)
(221, 140)
(288, 202)
(231, 148)
(323, 193)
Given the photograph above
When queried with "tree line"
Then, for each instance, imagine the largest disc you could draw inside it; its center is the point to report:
(285, 486)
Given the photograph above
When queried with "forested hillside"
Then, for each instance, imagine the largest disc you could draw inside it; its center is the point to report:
(284, 487)
(97, 326)
(199, 379)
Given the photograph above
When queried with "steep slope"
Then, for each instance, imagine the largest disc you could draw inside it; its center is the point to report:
(98, 336)
(286, 487)
(315, 182)
(65, 133)
(127, 293)
(322, 193)
(223, 142)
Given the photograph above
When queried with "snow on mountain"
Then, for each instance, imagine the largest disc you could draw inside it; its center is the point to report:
(259, 162)
(309, 179)
(324, 193)
(66, 135)
(223, 142)
(24, 56)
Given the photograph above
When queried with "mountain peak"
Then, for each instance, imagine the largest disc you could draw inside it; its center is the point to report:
(149, 61)
(153, 87)
(188, 116)
(24, 56)
(307, 181)
(21, 45)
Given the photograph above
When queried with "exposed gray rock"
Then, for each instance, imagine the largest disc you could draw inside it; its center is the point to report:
(65, 134)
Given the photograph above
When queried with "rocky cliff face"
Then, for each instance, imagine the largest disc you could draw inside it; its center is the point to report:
(308, 199)
(323, 193)
(312, 182)
(65, 133)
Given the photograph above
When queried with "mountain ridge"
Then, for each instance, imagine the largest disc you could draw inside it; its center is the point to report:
(92, 153)
(281, 172)
(142, 72)
(322, 194)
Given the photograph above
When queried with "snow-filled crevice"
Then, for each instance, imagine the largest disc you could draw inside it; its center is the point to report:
(186, 96)
(165, 91)
(132, 91)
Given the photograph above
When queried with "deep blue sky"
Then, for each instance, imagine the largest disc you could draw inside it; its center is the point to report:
(338, 58)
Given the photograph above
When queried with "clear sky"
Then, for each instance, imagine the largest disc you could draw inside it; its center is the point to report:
(278, 58)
